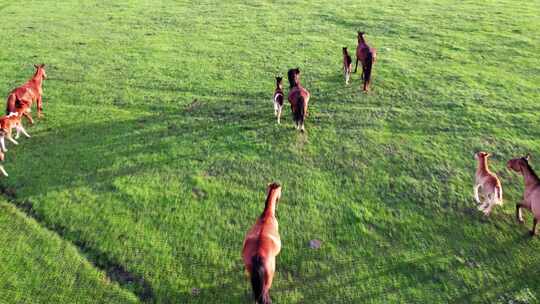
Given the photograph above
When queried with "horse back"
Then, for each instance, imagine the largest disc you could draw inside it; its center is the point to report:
(26, 93)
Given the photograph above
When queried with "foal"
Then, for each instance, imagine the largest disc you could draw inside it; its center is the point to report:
(278, 98)
(7, 123)
(490, 184)
(367, 56)
(26, 94)
(298, 97)
(531, 196)
(261, 246)
(347, 65)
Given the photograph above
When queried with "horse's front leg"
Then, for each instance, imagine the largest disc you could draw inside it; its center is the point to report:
(21, 129)
(356, 66)
(40, 106)
(29, 117)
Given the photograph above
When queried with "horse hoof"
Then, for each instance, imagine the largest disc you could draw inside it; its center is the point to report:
(520, 221)
(532, 233)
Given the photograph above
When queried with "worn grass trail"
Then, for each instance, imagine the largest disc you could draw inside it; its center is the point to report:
(159, 139)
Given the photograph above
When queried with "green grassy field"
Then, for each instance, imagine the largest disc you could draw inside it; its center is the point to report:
(159, 139)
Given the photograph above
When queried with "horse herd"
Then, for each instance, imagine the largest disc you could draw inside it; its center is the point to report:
(262, 243)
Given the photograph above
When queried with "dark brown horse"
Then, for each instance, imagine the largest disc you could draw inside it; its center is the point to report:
(367, 56)
(261, 246)
(298, 97)
(23, 96)
(347, 65)
(531, 195)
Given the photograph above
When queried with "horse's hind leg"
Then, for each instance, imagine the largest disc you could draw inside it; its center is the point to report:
(476, 196)
(279, 115)
(487, 211)
(3, 171)
(3, 143)
(356, 66)
(533, 231)
(519, 216)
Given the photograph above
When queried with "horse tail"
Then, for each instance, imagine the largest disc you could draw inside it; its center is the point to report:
(299, 114)
(258, 273)
(369, 65)
(11, 103)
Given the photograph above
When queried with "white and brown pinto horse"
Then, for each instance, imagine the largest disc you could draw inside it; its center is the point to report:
(261, 246)
(347, 65)
(278, 98)
(531, 195)
(298, 97)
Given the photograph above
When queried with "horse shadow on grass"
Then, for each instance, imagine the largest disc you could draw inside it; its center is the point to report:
(94, 155)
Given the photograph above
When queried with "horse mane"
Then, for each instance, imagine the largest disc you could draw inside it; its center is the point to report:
(271, 188)
(290, 77)
(531, 170)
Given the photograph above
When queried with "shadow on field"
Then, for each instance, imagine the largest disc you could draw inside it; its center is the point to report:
(96, 154)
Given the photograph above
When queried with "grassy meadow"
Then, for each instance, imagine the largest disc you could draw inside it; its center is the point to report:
(159, 139)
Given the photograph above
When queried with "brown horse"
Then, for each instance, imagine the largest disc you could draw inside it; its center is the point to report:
(298, 97)
(367, 56)
(347, 65)
(531, 196)
(489, 183)
(25, 95)
(261, 246)
(278, 99)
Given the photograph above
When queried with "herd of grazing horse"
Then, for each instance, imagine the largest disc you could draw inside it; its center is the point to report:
(262, 243)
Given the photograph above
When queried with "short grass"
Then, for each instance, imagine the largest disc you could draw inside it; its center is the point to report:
(159, 140)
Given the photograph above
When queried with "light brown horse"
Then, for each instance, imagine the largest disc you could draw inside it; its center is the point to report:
(347, 65)
(531, 195)
(25, 95)
(298, 97)
(367, 56)
(489, 183)
(261, 246)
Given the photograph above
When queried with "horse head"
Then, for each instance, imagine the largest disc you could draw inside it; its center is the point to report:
(517, 164)
(40, 70)
(293, 75)
(279, 81)
(481, 155)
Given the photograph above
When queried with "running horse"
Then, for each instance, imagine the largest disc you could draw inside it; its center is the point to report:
(298, 98)
(367, 56)
(531, 195)
(21, 98)
(278, 99)
(347, 65)
(261, 246)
